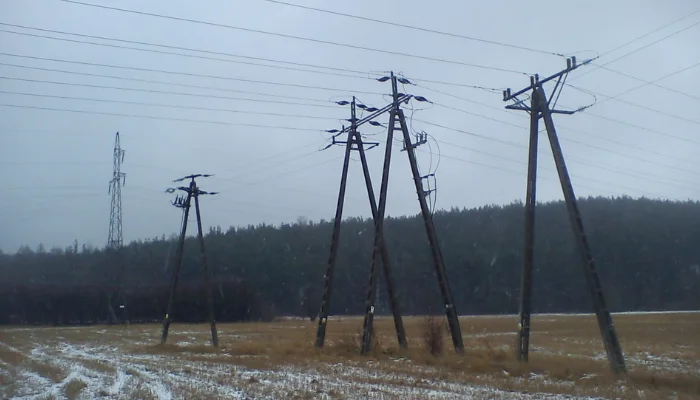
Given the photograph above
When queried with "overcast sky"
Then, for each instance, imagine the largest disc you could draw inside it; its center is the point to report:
(55, 165)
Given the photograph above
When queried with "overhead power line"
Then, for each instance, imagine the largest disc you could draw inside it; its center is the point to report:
(252, 80)
(517, 145)
(644, 128)
(649, 33)
(164, 105)
(630, 145)
(662, 180)
(179, 48)
(157, 82)
(499, 168)
(594, 165)
(635, 50)
(361, 74)
(277, 34)
(161, 71)
(652, 82)
(416, 28)
(156, 118)
(634, 104)
(470, 133)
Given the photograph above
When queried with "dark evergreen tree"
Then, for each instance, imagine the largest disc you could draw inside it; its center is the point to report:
(646, 251)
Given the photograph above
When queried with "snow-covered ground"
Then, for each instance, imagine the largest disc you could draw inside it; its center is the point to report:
(122, 363)
(109, 373)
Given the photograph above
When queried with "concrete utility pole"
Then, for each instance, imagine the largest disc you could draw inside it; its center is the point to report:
(540, 108)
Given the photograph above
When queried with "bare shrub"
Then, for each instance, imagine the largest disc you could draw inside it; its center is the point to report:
(74, 387)
(434, 335)
(349, 343)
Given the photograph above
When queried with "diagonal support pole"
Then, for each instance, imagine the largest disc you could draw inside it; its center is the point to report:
(207, 283)
(605, 323)
(379, 245)
(452, 320)
(330, 270)
(178, 264)
(391, 288)
(530, 201)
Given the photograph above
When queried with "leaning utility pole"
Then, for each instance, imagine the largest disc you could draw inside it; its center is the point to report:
(396, 115)
(540, 108)
(192, 192)
(115, 240)
(354, 142)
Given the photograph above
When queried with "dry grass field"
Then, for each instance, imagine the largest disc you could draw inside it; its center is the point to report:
(278, 361)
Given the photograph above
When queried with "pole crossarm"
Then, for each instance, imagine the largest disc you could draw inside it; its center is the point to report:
(402, 98)
(397, 122)
(193, 191)
(540, 109)
(571, 65)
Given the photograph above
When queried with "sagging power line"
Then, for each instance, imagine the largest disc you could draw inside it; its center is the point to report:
(277, 34)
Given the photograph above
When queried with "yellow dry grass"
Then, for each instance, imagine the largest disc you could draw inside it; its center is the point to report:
(566, 355)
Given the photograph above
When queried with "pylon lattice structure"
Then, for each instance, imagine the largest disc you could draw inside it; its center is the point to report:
(115, 239)
(542, 108)
(397, 122)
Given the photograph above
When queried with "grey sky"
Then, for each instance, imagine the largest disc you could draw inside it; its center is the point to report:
(56, 165)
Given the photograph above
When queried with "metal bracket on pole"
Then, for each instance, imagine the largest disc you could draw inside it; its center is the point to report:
(540, 108)
(185, 203)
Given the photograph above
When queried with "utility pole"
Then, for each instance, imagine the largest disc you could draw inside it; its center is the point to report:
(115, 239)
(354, 142)
(448, 300)
(540, 108)
(379, 246)
(184, 203)
(379, 249)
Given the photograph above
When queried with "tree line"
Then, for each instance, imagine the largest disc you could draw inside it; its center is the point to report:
(646, 250)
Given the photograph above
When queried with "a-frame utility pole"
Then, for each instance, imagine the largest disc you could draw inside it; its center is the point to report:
(192, 192)
(540, 108)
(355, 142)
(396, 115)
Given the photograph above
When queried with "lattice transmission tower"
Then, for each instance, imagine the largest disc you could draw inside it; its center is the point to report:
(115, 240)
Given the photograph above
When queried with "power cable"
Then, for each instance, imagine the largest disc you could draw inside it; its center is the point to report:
(240, 79)
(278, 175)
(634, 104)
(649, 33)
(164, 105)
(417, 28)
(520, 173)
(160, 83)
(594, 165)
(277, 34)
(168, 52)
(517, 145)
(363, 75)
(248, 165)
(643, 128)
(154, 117)
(561, 126)
(238, 177)
(653, 82)
(472, 134)
(638, 49)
